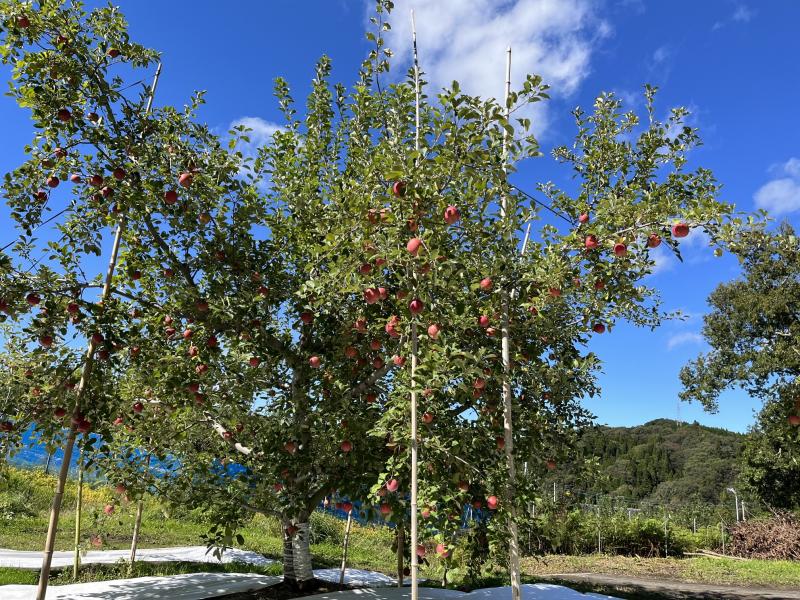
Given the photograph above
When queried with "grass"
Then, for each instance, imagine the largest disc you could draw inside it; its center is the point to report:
(25, 502)
(769, 573)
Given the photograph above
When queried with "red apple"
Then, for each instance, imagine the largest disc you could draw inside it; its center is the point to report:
(75, 178)
(620, 249)
(201, 369)
(120, 488)
(479, 383)
(392, 485)
(96, 180)
(346, 446)
(73, 308)
(427, 418)
(365, 269)
(201, 306)
(290, 446)
(554, 292)
(53, 181)
(307, 317)
(46, 341)
(413, 245)
(371, 295)
(33, 299)
(794, 420)
(254, 361)
(113, 52)
(398, 360)
(492, 502)
(97, 338)
(185, 179)
(64, 115)
(599, 284)
(138, 407)
(483, 321)
(350, 352)
(23, 22)
(315, 362)
(193, 387)
(590, 242)
(168, 273)
(416, 306)
(583, 218)
(135, 351)
(108, 509)
(551, 464)
(6, 426)
(653, 240)
(486, 284)
(60, 412)
(119, 173)
(187, 334)
(680, 230)
(372, 398)
(451, 215)
(599, 328)
(212, 341)
(377, 363)
(93, 117)
(399, 188)
(433, 331)
(463, 486)
(442, 551)
(386, 509)
(170, 197)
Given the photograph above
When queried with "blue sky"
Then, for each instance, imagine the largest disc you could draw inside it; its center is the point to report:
(731, 62)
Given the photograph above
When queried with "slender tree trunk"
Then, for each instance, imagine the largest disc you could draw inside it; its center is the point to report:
(508, 401)
(47, 464)
(345, 544)
(401, 551)
(78, 513)
(414, 359)
(138, 523)
(297, 570)
(55, 510)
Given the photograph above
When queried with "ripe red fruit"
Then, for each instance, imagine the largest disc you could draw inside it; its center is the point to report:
(360, 325)
(185, 179)
(84, 426)
(23, 22)
(463, 486)
(53, 181)
(315, 362)
(346, 446)
(6, 426)
(413, 245)
(97, 338)
(307, 317)
(201, 369)
(93, 117)
(201, 306)
(392, 485)
(492, 502)
(113, 52)
(599, 328)
(135, 351)
(170, 197)
(193, 387)
(399, 188)
(75, 178)
(350, 352)
(491, 331)
(583, 218)
(290, 446)
(653, 240)
(680, 230)
(60, 412)
(64, 115)
(187, 334)
(371, 295)
(479, 384)
(599, 284)
(33, 299)
(501, 442)
(451, 215)
(372, 398)
(136, 275)
(590, 242)
(227, 435)
(794, 420)
(551, 464)
(554, 292)
(386, 509)
(108, 509)
(377, 363)
(120, 488)
(138, 407)
(212, 341)
(263, 290)
(426, 513)
(416, 306)
(119, 173)
(254, 361)
(427, 418)
(620, 249)
(433, 331)
(46, 341)
(486, 284)
(96, 180)
(375, 345)
(365, 269)
(398, 360)
(442, 551)
(106, 191)
(347, 506)
(168, 273)
(483, 321)
(193, 351)
(73, 308)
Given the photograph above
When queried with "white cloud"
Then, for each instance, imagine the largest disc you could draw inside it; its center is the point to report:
(782, 195)
(662, 54)
(779, 196)
(466, 41)
(742, 14)
(664, 260)
(261, 134)
(681, 339)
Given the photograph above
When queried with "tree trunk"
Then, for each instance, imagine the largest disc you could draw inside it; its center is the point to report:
(78, 513)
(297, 570)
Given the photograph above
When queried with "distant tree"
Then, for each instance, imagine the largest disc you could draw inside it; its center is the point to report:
(754, 334)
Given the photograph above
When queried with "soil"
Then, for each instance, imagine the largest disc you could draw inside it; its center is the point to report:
(284, 591)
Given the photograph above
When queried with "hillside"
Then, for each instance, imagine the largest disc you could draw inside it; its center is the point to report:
(662, 462)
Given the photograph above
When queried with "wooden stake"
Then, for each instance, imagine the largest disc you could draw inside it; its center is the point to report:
(414, 359)
(86, 372)
(76, 565)
(401, 539)
(138, 523)
(508, 403)
(345, 544)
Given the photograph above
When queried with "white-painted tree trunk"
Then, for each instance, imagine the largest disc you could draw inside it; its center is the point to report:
(297, 555)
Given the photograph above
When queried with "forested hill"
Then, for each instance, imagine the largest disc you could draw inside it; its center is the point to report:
(661, 461)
